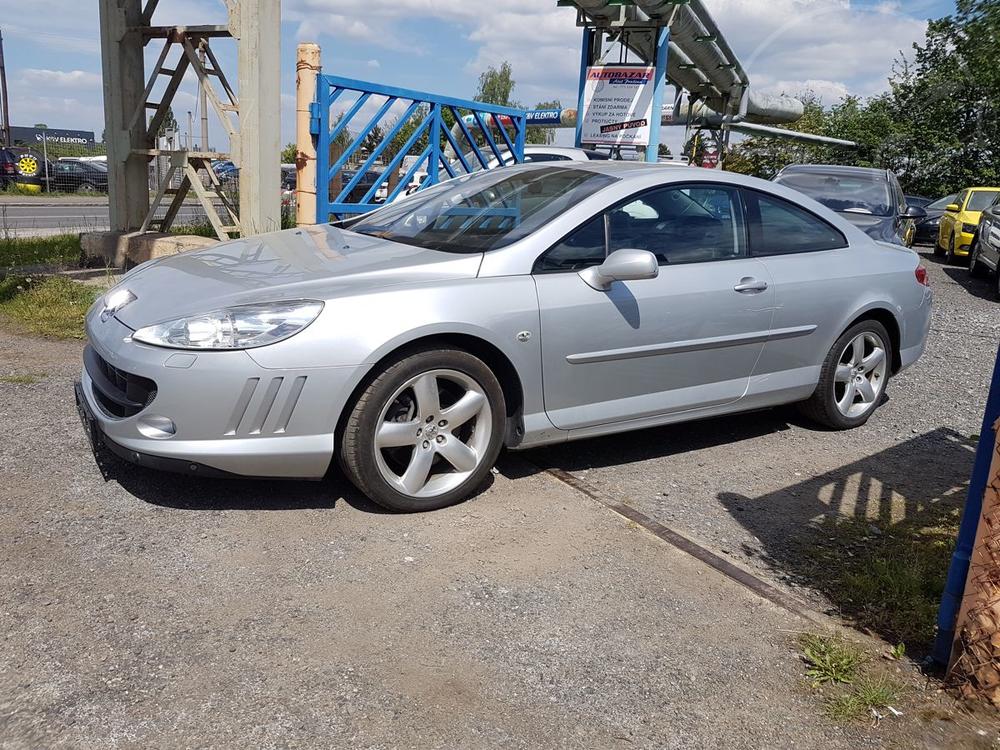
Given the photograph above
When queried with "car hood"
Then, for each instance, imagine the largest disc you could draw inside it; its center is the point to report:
(319, 262)
(877, 227)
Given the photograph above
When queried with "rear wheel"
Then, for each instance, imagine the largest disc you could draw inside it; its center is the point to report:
(86, 188)
(425, 432)
(950, 255)
(976, 268)
(853, 378)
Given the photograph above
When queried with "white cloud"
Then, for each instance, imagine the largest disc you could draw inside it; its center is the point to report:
(75, 79)
(374, 64)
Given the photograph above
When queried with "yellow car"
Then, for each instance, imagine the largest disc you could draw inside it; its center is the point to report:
(959, 222)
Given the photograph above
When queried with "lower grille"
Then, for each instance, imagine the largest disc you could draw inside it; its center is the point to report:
(120, 394)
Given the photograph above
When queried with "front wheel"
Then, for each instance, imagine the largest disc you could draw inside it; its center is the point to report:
(853, 378)
(425, 432)
(950, 256)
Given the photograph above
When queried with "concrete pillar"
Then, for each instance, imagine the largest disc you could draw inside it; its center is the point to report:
(256, 24)
(307, 67)
(124, 91)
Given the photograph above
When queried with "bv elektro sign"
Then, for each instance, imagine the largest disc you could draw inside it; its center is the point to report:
(35, 137)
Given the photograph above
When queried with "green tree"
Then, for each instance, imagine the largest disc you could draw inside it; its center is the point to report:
(169, 122)
(496, 85)
(288, 153)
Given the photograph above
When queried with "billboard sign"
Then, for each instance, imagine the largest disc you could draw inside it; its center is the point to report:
(618, 105)
(53, 136)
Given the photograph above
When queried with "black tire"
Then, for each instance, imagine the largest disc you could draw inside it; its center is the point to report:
(938, 250)
(821, 407)
(949, 257)
(357, 452)
(976, 269)
(86, 188)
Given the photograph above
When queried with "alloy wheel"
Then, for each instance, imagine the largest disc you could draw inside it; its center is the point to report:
(433, 433)
(861, 374)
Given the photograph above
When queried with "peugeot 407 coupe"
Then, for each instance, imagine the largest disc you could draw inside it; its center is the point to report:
(517, 307)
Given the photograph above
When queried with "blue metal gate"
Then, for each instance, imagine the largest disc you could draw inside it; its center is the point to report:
(437, 131)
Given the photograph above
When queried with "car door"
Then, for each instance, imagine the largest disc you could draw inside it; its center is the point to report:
(684, 340)
(948, 219)
(813, 283)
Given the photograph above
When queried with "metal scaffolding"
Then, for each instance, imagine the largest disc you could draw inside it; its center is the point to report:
(250, 118)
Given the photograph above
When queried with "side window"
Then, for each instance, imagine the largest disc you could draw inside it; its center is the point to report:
(680, 224)
(777, 227)
(583, 248)
(962, 197)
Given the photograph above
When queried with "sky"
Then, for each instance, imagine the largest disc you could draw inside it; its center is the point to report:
(830, 47)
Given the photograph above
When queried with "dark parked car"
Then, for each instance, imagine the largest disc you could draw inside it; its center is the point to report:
(984, 253)
(8, 168)
(871, 199)
(927, 227)
(920, 201)
(68, 175)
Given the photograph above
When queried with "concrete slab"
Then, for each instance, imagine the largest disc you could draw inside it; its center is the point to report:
(129, 249)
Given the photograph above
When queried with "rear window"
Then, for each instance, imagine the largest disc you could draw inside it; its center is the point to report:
(858, 192)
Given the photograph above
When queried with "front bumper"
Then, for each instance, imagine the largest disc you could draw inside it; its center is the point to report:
(230, 416)
(963, 242)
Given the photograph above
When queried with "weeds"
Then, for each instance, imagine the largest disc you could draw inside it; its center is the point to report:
(830, 660)
(61, 249)
(20, 379)
(871, 693)
(53, 306)
(891, 580)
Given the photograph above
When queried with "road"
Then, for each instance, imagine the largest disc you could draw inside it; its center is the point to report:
(26, 218)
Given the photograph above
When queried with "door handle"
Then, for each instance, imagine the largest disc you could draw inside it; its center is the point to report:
(750, 284)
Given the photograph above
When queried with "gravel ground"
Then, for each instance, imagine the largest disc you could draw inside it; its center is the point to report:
(746, 484)
(147, 610)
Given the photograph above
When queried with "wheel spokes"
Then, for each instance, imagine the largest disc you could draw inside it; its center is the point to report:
(858, 350)
(844, 374)
(415, 476)
(426, 392)
(874, 359)
(464, 409)
(845, 402)
(458, 454)
(867, 390)
(396, 434)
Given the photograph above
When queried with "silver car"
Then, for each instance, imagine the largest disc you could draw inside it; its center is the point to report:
(518, 307)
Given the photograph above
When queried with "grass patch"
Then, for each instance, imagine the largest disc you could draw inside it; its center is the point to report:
(887, 580)
(197, 230)
(830, 660)
(54, 306)
(21, 379)
(60, 249)
(873, 692)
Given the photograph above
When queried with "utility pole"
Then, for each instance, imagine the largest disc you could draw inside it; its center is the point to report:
(203, 100)
(190, 130)
(5, 110)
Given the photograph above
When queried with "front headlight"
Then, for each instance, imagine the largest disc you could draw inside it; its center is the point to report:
(239, 327)
(969, 228)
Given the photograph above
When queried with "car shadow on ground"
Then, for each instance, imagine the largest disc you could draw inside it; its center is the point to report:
(982, 288)
(184, 492)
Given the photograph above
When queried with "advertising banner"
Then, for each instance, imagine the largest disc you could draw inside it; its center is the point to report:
(618, 105)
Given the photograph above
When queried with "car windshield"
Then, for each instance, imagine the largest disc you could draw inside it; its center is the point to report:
(858, 192)
(941, 203)
(980, 200)
(482, 211)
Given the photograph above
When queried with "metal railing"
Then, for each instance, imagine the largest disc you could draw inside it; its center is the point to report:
(404, 144)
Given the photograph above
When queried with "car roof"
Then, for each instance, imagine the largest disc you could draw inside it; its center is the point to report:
(831, 169)
(981, 189)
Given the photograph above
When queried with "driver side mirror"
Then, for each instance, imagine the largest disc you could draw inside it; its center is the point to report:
(952, 208)
(915, 212)
(622, 265)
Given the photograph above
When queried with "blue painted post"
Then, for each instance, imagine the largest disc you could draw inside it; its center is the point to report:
(322, 119)
(659, 87)
(585, 52)
(434, 137)
(954, 587)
